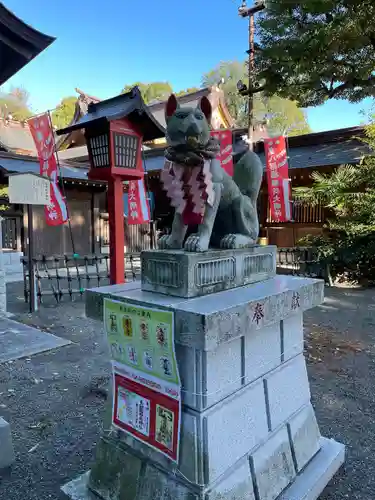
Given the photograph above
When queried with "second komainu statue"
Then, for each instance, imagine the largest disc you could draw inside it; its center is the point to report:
(221, 208)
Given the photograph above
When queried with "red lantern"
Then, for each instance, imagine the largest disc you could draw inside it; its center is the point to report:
(114, 132)
(115, 150)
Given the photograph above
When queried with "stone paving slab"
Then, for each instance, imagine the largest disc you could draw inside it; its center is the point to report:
(19, 341)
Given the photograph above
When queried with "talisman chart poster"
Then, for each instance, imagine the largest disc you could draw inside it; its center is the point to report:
(147, 388)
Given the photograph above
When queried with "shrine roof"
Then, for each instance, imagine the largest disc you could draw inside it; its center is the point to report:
(19, 43)
(14, 163)
(75, 138)
(15, 137)
(349, 151)
(331, 148)
(335, 147)
(129, 105)
(314, 138)
(80, 109)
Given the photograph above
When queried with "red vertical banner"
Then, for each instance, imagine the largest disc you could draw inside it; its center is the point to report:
(226, 149)
(41, 131)
(278, 178)
(138, 206)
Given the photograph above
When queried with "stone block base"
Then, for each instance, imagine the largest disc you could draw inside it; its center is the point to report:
(6, 446)
(249, 423)
(185, 274)
(311, 482)
(259, 467)
(151, 483)
(248, 430)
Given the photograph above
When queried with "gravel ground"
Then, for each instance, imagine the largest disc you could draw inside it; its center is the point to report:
(341, 354)
(56, 401)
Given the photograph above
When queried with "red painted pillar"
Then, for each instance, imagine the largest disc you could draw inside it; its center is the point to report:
(116, 230)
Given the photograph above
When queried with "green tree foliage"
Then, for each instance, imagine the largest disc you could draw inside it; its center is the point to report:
(230, 72)
(4, 197)
(16, 103)
(282, 115)
(64, 112)
(349, 194)
(314, 50)
(155, 91)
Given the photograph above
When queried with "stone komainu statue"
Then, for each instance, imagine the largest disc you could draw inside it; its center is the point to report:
(224, 209)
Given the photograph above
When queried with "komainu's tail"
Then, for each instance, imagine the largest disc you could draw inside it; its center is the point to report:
(248, 174)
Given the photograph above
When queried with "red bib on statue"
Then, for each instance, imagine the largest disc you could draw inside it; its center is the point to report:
(190, 189)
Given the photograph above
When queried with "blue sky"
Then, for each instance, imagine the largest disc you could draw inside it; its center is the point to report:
(104, 44)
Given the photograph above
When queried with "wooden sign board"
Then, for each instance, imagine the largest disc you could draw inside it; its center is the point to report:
(29, 189)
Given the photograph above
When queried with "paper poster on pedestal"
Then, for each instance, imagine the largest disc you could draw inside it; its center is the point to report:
(147, 387)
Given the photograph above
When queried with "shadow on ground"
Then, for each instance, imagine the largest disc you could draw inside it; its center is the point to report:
(340, 350)
(55, 401)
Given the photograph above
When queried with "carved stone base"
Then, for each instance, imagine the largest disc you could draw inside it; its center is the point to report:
(248, 429)
(187, 274)
(308, 484)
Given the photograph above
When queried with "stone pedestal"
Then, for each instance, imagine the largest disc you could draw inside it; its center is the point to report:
(248, 430)
(186, 274)
(7, 456)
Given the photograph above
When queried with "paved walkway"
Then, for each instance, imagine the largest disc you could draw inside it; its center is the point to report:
(56, 400)
(18, 340)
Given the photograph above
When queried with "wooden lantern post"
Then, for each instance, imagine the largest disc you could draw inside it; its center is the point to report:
(116, 230)
(114, 132)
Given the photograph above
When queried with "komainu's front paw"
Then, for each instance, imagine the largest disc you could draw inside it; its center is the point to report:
(231, 241)
(196, 243)
(167, 242)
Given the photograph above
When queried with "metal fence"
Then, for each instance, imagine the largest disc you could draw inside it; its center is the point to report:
(68, 276)
(300, 261)
(304, 213)
(138, 237)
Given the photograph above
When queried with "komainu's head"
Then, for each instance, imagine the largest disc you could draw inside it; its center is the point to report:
(188, 128)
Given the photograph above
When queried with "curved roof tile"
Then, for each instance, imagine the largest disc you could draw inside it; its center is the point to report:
(19, 43)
